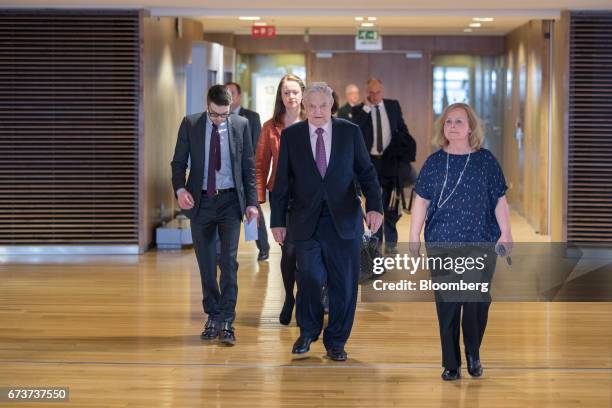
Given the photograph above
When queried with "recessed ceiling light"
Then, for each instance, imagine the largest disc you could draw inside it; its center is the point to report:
(475, 25)
(371, 18)
(260, 23)
(359, 18)
(367, 24)
(484, 19)
(467, 30)
(249, 18)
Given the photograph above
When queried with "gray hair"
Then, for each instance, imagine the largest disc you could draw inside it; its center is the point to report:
(349, 87)
(319, 87)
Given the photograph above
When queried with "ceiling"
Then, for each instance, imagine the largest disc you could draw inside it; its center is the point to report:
(325, 17)
(414, 25)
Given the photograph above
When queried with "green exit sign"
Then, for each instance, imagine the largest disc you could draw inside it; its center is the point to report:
(367, 34)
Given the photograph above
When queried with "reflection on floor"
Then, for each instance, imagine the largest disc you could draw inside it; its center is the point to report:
(124, 331)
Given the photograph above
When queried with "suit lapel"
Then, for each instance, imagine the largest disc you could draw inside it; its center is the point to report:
(198, 151)
(390, 114)
(231, 135)
(334, 146)
(307, 147)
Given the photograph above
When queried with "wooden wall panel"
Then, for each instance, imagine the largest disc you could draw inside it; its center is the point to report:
(480, 45)
(589, 189)
(559, 122)
(166, 58)
(69, 114)
(526, 130)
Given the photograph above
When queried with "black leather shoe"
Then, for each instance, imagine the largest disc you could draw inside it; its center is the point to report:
(211, 330)
(302, 345)
(451, 375)
(285, 314)
(263, 255)
(473, 366)
(227, 336)
(337, 354)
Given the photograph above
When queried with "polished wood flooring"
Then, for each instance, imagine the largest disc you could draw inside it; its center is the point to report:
(123, 331)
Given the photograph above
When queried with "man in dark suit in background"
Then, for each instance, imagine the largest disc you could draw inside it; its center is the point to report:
(390, 145)
(319, 160)
(219, 191)
(255, 125)
(352, 98)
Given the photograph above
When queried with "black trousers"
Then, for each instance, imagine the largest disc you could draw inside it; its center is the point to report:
(473, 321)
(262, 233)
(391, 216)
(288, 262)
(462, 310)
(326, 257)
(220, 214)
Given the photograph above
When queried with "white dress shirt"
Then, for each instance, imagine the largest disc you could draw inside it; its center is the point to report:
(386, 127)
(327, 140)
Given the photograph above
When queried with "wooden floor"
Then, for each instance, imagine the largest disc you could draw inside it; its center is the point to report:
(123, 331)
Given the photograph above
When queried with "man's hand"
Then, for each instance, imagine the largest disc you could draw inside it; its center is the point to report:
(251, 212)
(279, 234)
(185, 200)
(374, 220)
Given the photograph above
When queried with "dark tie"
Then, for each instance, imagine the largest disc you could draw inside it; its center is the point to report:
(379, 138)
(214, 161)
(320, 152)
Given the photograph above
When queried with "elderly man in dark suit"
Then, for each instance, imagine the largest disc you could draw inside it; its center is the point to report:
(319, 160)
(219, 191)
(255, 125)
(389, 145)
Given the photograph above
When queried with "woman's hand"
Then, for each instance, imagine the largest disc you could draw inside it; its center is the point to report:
(505, 240)
(414, 246)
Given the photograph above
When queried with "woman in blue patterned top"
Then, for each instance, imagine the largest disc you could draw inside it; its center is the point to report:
(460, 196)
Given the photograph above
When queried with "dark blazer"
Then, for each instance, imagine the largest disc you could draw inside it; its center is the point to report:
(190, 142)
(298, 182)
(254, 124)
(402, 147)
(345, 111)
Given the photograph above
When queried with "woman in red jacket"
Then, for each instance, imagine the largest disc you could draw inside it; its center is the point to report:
(288, 109)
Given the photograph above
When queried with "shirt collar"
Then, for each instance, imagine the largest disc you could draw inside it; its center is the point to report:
(237, 110)
(327, 128)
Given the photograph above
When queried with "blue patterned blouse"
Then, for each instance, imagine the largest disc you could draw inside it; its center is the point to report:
(468, 214)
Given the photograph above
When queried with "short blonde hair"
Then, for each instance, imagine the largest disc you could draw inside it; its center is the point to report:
(476, 136)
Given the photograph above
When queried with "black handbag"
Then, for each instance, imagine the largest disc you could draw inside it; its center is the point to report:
(367, 252)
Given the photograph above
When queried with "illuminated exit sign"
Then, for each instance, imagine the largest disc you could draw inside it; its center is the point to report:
(263, 31)
(368, 39)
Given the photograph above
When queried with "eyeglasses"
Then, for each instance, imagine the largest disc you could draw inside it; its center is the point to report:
(215, 115)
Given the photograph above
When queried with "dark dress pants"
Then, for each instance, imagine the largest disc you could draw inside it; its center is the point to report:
(460, 310)
(262, 233)
(220, 213)
(391, 215)
(473, 322)
(288, 262)
(326, 257)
